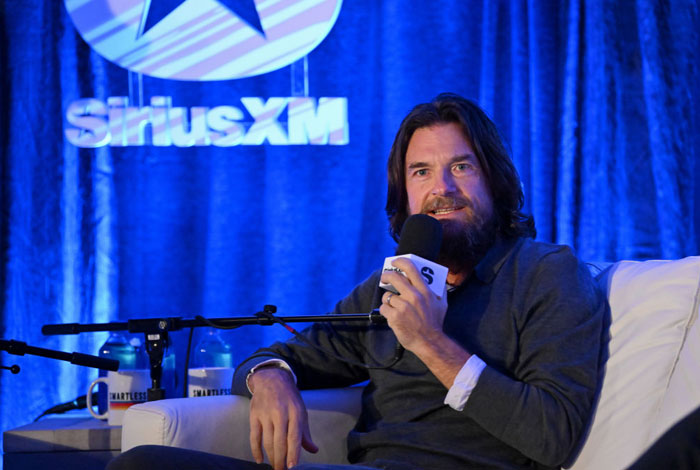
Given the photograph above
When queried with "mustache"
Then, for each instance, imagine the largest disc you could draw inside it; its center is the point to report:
(444, 202)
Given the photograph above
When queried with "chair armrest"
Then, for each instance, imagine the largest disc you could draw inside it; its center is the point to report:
(220, 425)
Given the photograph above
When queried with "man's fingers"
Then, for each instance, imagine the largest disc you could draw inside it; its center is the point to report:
(410, 284)
(256, 440)
(268, 442)
(299, 436)
(293, 443)
(279, 460)
(414, 277)
(389, 299)
(277, 418)
(306, 442)
(399, 281)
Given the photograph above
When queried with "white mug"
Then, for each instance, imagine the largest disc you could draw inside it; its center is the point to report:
(209, 381)
(124, 388)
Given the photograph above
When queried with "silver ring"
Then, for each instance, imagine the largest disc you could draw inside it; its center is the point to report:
(388, 299)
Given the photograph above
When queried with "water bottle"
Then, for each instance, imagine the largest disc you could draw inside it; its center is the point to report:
(212, 351)
(170, 380)
(116, 347)
(212, 367)
(142, 359)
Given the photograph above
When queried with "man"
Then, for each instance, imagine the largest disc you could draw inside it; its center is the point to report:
(501, 371)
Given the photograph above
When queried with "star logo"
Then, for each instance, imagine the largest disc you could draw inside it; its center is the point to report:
(156, 10)
(202, 40)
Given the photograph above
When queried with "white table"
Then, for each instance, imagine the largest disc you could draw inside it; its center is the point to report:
(65, 443)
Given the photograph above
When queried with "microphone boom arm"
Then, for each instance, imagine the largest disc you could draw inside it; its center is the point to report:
(156, 332)
(21, 348)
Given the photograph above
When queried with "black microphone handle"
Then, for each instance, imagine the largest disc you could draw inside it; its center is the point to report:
(20, 348)
(76, 404)
(94, 361)
(60, 329)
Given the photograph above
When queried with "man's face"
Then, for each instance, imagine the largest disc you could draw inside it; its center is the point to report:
(445, 180)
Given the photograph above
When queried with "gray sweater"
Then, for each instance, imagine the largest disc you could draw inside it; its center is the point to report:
(530, 311)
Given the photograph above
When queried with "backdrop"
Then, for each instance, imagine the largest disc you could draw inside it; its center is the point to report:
(597, 101)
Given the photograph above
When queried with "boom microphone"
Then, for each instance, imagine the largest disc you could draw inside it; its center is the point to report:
(78, 404)
(420, 240)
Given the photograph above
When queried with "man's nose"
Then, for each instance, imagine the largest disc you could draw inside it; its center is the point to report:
(444, 183)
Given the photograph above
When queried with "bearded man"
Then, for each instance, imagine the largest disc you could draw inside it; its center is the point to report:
(500, 371)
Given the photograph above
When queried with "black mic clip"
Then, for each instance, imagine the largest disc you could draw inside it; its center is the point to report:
(266, 317)
(376, 318)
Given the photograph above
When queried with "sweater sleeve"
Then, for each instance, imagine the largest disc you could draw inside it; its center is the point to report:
(542, 405)
(323, 358)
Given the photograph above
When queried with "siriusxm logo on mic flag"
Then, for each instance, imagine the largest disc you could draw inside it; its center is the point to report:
(434, 275)
(203, 39)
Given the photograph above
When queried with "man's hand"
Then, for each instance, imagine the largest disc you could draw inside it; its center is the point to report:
(416, 315)
(278, 419)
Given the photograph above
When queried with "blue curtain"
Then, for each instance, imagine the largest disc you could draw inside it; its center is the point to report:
(597, 101)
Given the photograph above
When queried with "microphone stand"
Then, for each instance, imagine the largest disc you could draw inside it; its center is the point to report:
(14, 368)
(156, 332)
(21, 348)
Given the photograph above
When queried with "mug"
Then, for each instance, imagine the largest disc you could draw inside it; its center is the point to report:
(209, 381)
(124, 388)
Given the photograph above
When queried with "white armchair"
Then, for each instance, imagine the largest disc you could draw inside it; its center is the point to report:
(652, 380)
(220, 424)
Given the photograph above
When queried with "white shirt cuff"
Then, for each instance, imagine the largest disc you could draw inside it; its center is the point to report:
(276, 362)
(464, 383)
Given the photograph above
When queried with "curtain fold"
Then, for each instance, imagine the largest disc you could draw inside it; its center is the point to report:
(568, 177)
(662, 43)
(543, 68)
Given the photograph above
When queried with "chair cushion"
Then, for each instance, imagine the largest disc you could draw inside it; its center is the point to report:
(653, 306)
(220, 424)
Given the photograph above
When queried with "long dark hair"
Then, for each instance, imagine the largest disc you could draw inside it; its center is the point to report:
(501, 176)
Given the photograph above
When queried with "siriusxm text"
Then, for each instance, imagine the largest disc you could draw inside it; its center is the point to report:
(275, 121)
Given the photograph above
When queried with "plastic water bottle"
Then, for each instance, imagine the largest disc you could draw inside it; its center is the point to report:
(212, 351)
(142, 359)
(116, 347)
(170, 381)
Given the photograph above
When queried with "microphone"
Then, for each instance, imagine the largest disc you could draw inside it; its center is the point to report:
(78, 404)
(20, 348)
(420, 240)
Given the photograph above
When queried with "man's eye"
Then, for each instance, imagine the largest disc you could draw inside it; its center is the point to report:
(462, 167)
(421, 172)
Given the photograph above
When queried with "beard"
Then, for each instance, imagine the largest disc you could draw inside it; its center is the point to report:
(465, 242)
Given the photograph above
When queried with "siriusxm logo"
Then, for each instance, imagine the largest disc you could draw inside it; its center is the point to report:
(117, 124)
(203, 39)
